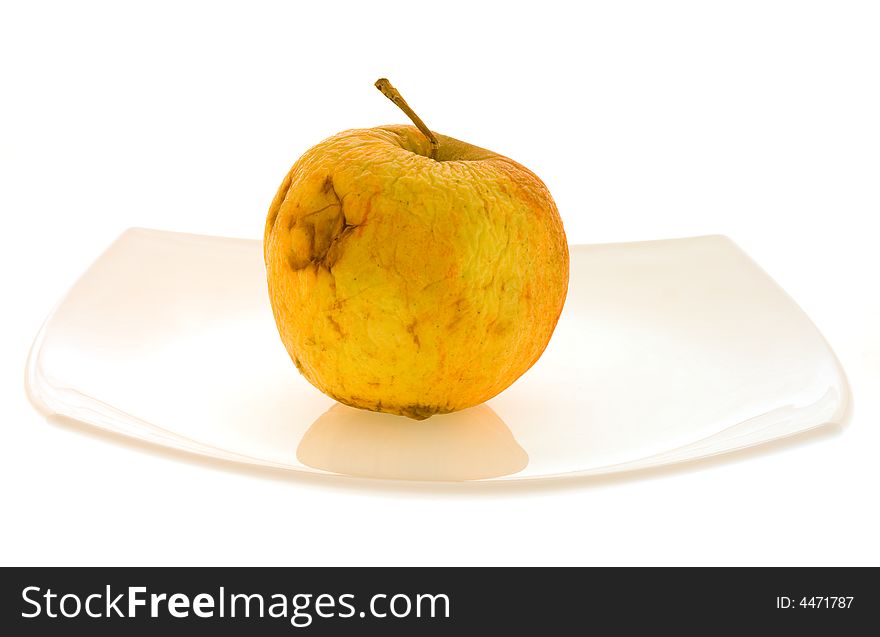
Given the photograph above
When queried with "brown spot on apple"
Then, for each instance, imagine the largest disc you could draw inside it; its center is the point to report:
(411, 330)
(336, 326)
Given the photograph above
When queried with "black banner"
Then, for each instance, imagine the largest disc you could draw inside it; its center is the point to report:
(333, 601)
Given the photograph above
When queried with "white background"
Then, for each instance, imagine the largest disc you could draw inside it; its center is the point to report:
(759, 120)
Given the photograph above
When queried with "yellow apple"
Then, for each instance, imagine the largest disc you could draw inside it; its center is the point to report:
(413, 273)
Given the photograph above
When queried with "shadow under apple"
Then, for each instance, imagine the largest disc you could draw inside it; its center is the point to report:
(472, 444)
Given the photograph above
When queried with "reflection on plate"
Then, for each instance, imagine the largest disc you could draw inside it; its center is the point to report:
(666, 351)
(473, 444)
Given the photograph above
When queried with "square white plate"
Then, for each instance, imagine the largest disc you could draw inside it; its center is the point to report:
(666, 351)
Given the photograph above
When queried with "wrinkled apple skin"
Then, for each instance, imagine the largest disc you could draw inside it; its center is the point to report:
(411, 285)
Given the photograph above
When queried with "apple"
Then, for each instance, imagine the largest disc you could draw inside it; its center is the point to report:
(412, 273)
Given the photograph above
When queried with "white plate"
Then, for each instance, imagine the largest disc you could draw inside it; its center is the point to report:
(666, 351)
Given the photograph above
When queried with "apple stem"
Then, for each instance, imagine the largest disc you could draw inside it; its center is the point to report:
(394, 95)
